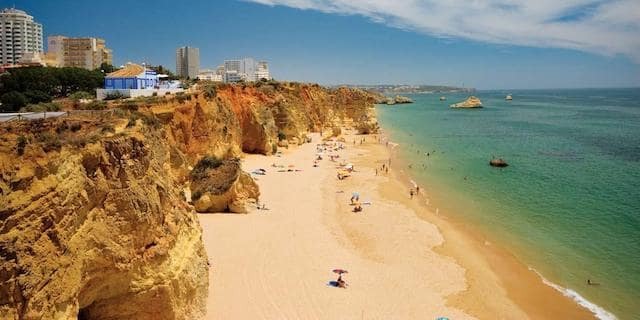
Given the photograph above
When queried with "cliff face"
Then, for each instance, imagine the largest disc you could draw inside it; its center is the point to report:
(269, 112)
(93, 222)
(97, 232)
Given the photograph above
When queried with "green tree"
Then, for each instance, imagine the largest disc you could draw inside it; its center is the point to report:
(12, 101)
(55, 82)
(37, 96)
(106, 68)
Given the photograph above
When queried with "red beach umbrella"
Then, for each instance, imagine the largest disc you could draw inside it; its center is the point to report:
(340, 271)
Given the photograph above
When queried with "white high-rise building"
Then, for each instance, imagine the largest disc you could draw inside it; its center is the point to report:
(188, 62)
(246, 69)
(262, 71)
(19, 34)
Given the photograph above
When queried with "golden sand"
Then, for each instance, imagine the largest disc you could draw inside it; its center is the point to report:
(404, 261)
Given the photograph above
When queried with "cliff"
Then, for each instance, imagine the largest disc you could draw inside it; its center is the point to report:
(94, 217)
(92, 226)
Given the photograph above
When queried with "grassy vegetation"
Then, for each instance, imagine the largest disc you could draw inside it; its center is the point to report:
(209, 90)
(79, 95)
(95, 105)
(207, 162)
(42, 107)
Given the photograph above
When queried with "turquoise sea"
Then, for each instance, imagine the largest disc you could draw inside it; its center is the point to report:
(569, 203)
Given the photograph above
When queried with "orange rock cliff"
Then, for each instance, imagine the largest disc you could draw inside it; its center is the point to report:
(95, 218)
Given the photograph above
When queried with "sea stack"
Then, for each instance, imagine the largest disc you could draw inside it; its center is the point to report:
(471, 102)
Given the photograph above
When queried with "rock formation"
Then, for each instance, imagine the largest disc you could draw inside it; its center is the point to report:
(96, 230)
(471, 102)
(220, 186)
(398, 100)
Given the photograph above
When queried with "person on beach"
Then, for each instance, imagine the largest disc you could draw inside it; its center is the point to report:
(417, 189)
(376, 171)
(411, 193)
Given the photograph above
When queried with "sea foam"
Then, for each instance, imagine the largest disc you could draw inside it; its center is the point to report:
(598, 311)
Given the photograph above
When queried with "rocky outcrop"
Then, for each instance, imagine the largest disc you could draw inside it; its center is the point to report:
(222, 186)
(398, 100)
(98, 232)
(471, 102)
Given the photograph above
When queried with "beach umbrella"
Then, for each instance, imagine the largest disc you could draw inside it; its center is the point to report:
(340, 271)
(355, 194)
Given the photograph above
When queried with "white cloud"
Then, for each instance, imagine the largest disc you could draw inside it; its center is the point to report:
(602, 27)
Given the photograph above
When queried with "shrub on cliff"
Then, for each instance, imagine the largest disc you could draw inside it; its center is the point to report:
(41, 107)
(95, 105)
(49, 141)
(21, 144)
(209, 90)
(79, 95)
(114, 95)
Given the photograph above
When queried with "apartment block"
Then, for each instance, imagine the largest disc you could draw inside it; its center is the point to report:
(19, 34)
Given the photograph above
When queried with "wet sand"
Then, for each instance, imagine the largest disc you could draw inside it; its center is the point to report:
(404, 261)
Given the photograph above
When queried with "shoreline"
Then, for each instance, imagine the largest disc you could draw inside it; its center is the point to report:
(432, 266)
(498, 255)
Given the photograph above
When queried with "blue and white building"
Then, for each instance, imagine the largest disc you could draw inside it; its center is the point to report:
(136, 81)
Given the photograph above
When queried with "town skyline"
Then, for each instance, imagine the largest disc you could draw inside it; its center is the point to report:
(328, 48)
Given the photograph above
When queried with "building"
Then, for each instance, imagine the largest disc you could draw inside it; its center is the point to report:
(132, 76)
(210, 75)
(262, 71)
(246, 69)
(31, 59)
(187, 62)
(19, 34)
(55, 51)
(86, 53)
(134, 80)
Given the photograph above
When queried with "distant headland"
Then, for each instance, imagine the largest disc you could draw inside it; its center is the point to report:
(391, 89)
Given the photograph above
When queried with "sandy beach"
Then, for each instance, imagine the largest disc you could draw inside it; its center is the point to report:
(405, 261)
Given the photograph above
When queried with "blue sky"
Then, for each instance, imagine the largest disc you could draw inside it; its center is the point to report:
(372, 41)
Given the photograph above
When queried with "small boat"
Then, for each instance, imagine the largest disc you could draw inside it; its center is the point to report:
(500, 163)
(443, 98)
(508, 97)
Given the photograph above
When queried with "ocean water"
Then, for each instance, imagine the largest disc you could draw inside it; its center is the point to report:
(569, 203)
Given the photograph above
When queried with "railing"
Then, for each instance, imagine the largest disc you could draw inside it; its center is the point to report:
(29, 116)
